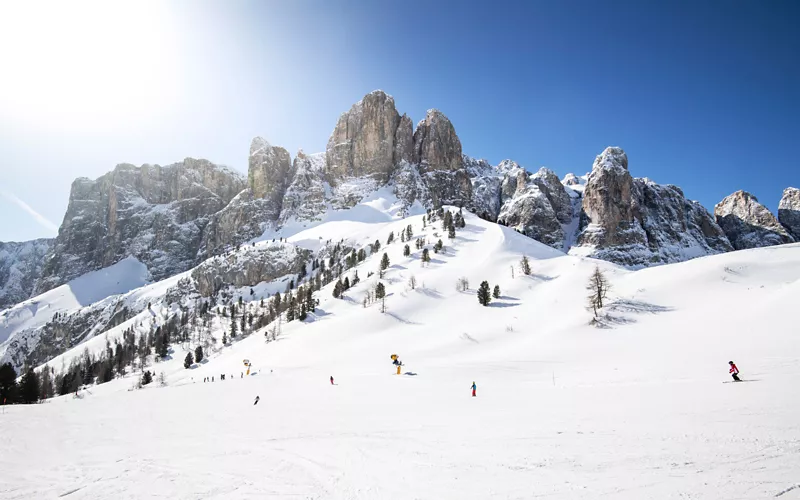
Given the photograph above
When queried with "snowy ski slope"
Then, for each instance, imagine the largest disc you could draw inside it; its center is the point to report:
(635, 409)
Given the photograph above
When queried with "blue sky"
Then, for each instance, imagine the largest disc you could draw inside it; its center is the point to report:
(704, 95)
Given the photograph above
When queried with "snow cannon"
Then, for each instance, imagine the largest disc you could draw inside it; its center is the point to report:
(396, 361)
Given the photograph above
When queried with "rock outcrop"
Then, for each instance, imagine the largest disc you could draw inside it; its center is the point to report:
(249, 266)
(436, 145)
(363, 141)
(789, 211)
(748, 223)
(638, 223)
(156, 214)
(305, 197)
(20, 268)
(269, 174)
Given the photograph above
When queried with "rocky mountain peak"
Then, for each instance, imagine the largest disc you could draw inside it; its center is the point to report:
(269, 173)
(611, 157)
(363, 142)
(636, 222)
(748, 223)
(789, 211)
(153, 213)
(436, 145)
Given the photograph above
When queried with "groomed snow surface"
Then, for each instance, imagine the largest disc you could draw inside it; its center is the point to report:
(634, 409)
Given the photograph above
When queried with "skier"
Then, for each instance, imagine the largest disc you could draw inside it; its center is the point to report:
(331, 379)
(474, 388)
(256, 401)
(734, 371)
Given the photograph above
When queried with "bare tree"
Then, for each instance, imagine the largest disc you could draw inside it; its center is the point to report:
(412, 282)
(598, 287)
(462, 284)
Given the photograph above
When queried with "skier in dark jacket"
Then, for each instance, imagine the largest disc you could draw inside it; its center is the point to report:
(256, 401)
(734, 371)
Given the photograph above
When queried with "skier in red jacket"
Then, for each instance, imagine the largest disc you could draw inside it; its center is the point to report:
(734, 371)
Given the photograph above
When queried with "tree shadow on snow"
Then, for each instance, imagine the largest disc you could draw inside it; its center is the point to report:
(630, 306)
(400, 319)
(636, 306)
(430, 292)
(541, 277)
(508, 297)
(501, 304)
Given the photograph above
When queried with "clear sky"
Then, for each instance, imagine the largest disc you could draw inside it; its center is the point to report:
(704, 95)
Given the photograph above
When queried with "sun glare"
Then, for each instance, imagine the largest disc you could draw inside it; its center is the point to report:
(86, 61)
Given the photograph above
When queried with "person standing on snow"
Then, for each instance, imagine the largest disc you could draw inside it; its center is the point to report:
(734, 371)
(474, 388)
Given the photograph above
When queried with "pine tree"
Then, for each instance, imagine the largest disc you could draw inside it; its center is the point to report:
(224, 338)
(302, 316)
(243, 324)
(409, 232)
(361, 255)
(402, 236)
(198, 353)
(384, 264)
(8, 384)
(356, 279)
(525, 265)
(390, 239)
(302, 273)
(451, 231)
(496, 292)
(291, 310)
(233, 329)
(484, 296)
(310, 302)
(376, 246)
(447, 223)
(380, 291)
(346, 283)
(337, 290)
(188, 361)
(438, 246)
(29, 387)
(147, 377)
(426, 256)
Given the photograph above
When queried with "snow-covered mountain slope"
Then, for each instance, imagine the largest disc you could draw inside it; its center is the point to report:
(20, 325)
(631, 409)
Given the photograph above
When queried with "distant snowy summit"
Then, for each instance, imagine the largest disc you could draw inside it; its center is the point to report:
(172, 218)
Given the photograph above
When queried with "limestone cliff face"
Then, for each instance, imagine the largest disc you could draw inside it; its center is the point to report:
(436, 145)
(363, 141)
(156, 214)
(20, 268)
(248, 267)
(269, 174)
(748, 223)
(789, 211)
(638, 223)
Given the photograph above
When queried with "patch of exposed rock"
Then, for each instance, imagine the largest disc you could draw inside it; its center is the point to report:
(249, 266)
(789, 211)
(748, 223)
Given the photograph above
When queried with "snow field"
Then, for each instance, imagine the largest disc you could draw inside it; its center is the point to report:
(564, 409)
